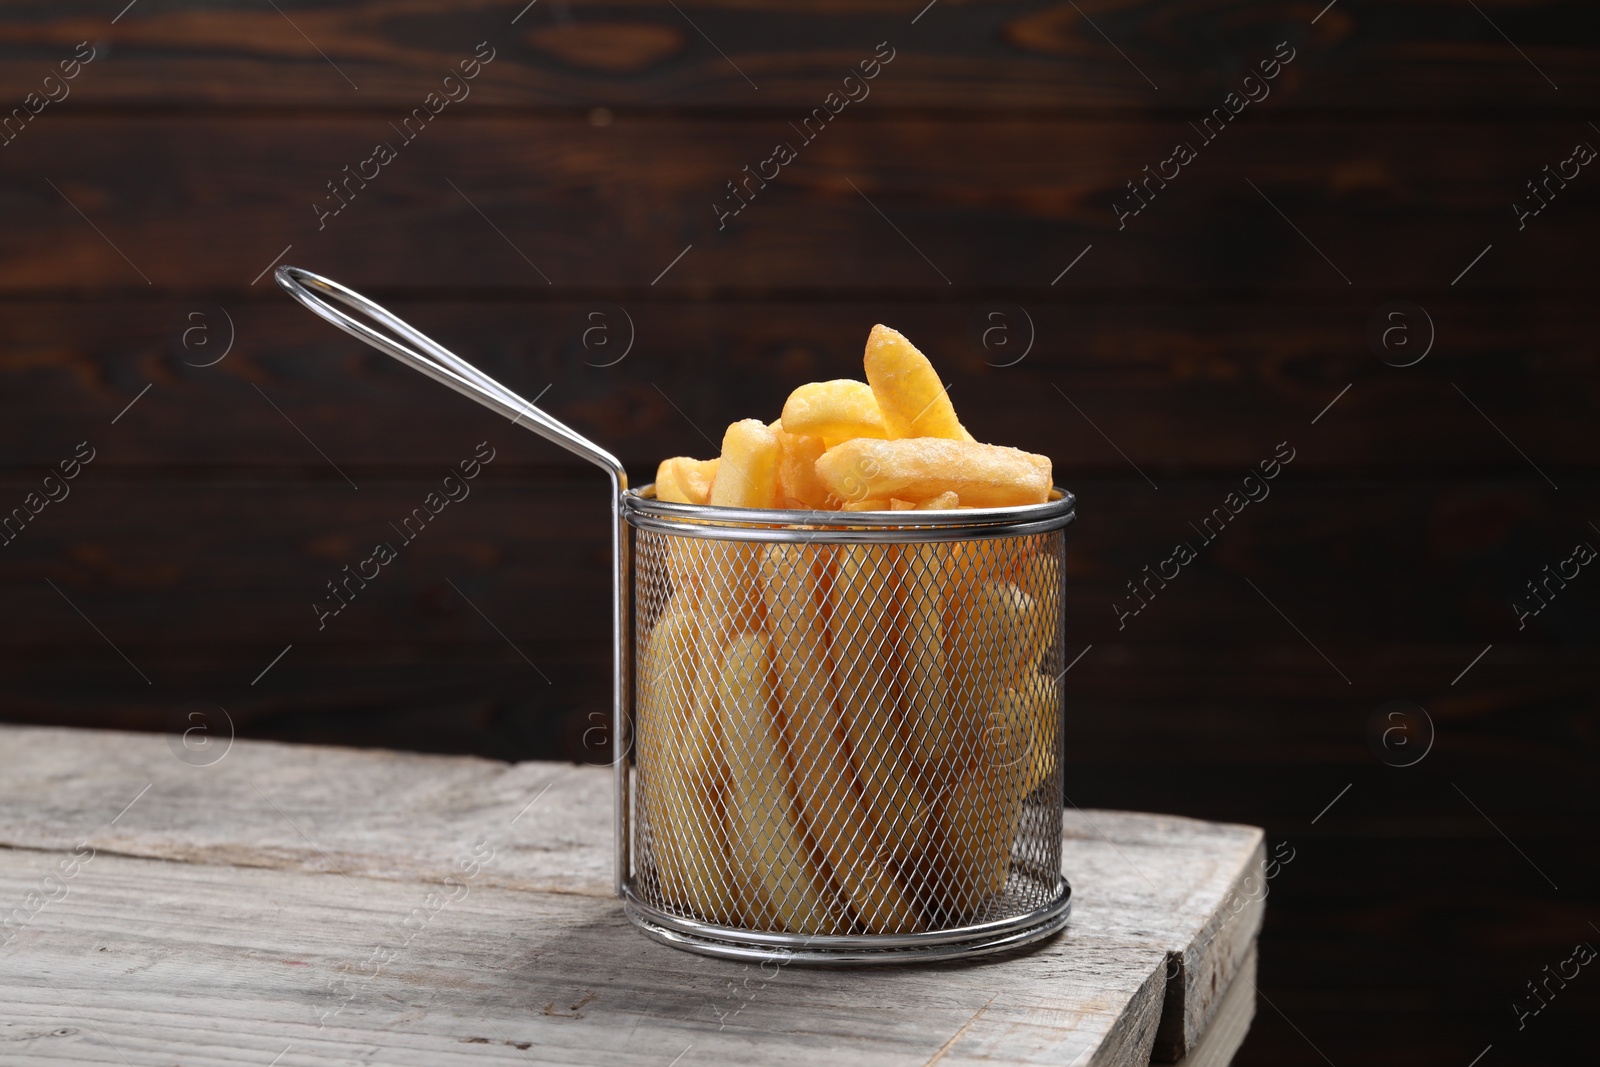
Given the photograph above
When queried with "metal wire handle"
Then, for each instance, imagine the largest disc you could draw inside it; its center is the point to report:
(437, 362)
(421, 353)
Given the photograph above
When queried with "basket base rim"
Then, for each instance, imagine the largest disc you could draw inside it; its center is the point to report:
(829, 950)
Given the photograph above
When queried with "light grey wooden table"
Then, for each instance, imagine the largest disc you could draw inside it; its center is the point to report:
(291, 905)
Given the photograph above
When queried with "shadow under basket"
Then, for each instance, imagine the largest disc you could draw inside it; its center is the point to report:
(846, 738)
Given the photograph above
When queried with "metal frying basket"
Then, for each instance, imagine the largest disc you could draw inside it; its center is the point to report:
(847, 724)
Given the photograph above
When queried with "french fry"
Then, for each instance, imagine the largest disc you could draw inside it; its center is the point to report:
(862, 651)
(681, 747)
(946, 501)
(909, 393)
(922, 655)
(747, 476)
(1039, 575)
(1040, 702)
(770, 853)
(838, 410)
(798, 484)
(667, 487)
(687, 560)
(695, 477)
(830, 804)
(988, 637)
(922, 468)
(978, 812)
(681, 480)
(868, 505)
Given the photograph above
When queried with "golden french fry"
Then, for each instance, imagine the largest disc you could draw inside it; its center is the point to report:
(861, 646)
(682, 480)
(798, 484)
(686, 562)
(667, 487)
(747, 476)
(945, 501)
(908, 390)
(694, 477)
(838, 410)
(679, 746)
(868, 505)
(830, 803)
(1039, 575)
(978, 812)
(770, 852)
(1040, 702)
(923, 468)
(988, 635)
(921, 652)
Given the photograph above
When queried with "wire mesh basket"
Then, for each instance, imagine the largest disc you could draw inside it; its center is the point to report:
(848, 725)
(847, 737)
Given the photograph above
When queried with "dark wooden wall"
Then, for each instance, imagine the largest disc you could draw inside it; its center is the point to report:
(138, 213)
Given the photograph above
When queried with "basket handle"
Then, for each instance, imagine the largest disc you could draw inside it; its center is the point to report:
(421, 353)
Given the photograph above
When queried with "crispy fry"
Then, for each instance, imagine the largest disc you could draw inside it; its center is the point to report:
(946, 501)
(680, 743)
(686, 561)
(868, 505)
(747, 477)
(922, 656)
(838, 410)
(830, 802)
(1040, 702)
(978, 813)
(862, 649)
(988, 638)
(695, 477)
(1039, 575)
(922, 468)
(770, 853)
(667, 487)
(913, 400)
(798, 484)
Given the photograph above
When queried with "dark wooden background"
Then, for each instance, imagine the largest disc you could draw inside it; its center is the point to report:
(135, 213)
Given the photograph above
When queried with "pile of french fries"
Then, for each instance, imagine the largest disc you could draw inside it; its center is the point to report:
(839, 738)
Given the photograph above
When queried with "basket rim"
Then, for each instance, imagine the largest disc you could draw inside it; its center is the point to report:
(641, 509)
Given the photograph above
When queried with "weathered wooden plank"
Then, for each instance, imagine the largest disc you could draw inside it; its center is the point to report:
(345, 821)
(1018, 55)
(149, 962)
(1214, 963)
(992, 203)
(1221, 1040)
(1179, 386)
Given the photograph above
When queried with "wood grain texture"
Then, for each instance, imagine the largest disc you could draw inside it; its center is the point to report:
(220, 964)
(1372, 56)
(350, 841)
(1221, 1040)
(1182, 387)
(996, 203)
(249, 562)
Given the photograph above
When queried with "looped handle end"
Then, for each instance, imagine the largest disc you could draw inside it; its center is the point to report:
(421, 353)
